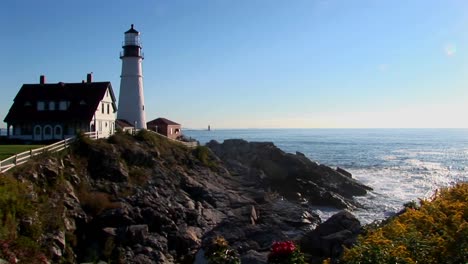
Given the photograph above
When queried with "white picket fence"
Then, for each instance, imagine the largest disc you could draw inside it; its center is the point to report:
(23, 157)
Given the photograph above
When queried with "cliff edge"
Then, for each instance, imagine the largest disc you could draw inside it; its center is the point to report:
(144, 199)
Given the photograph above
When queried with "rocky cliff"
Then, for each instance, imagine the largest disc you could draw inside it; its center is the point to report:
(143, 199)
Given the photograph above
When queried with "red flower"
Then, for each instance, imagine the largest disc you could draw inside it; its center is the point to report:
(283, 248)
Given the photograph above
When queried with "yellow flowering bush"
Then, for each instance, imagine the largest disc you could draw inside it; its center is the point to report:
(219, 252)
(434, 232)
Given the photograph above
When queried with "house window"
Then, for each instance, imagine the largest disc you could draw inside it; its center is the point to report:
(171, 130)
(52, 106)
(40, 106)
(100, 126)
(47, 131)
(26, 129)
(102, 108)
(27, 103)
(108, 108)
(63, 105)
(37, 131)
(58, 131)
(82, 102)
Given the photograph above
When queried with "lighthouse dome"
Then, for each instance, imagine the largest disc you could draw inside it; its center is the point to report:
(132, 30)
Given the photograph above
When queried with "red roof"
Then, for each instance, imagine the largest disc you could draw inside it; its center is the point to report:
(83, 98)
(161, 120)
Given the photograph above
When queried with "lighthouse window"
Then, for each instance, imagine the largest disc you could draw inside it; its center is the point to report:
(40, 105)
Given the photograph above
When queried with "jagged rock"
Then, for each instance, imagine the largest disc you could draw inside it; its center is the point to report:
(328, 239)
(344, 172)
(116, 217)
(254, 257)
(251, 194)
(136, 234)
(290, 174)
(103, 163)
(56, 244)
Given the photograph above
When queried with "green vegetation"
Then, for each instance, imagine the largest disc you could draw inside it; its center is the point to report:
(7, 151)
(434, 231)
(17, 239)
(203, 154)
(219, 252)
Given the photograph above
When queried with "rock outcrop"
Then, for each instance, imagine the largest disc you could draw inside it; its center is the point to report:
(291, 175)
(328, 239)
(143, 199)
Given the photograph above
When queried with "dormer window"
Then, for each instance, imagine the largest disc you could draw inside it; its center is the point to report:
(40, 106)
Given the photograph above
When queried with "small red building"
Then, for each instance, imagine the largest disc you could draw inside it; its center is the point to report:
(165, 127)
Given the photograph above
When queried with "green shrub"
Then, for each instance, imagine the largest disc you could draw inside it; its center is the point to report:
(14, 205)
(203, 154)
(149, 137)
(434, 232)
(120, 138)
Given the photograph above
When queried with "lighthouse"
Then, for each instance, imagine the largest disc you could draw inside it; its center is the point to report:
(131, 98)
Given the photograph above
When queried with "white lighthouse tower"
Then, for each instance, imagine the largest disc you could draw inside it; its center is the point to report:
(131, 98)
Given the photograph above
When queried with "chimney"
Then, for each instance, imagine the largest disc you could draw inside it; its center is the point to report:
(89, 78)
(42, 79)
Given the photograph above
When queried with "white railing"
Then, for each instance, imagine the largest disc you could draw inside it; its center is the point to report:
(23, 157)
(192, 144)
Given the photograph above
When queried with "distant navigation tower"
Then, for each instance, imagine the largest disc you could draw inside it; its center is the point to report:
(131, 97)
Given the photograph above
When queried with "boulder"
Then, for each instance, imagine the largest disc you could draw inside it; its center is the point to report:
(329, 238)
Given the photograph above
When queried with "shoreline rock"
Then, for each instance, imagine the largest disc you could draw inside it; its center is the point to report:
(139, 199)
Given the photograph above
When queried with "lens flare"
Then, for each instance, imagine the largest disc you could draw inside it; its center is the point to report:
(450, 49)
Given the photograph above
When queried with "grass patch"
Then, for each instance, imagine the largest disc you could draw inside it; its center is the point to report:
(7, 151)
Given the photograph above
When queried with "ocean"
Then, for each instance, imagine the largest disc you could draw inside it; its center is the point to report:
(401, 165)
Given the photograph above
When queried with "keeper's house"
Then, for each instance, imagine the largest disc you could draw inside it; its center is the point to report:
(165, 127)
(52, 111)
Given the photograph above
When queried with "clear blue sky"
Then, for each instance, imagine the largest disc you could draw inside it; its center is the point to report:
(255, 63)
